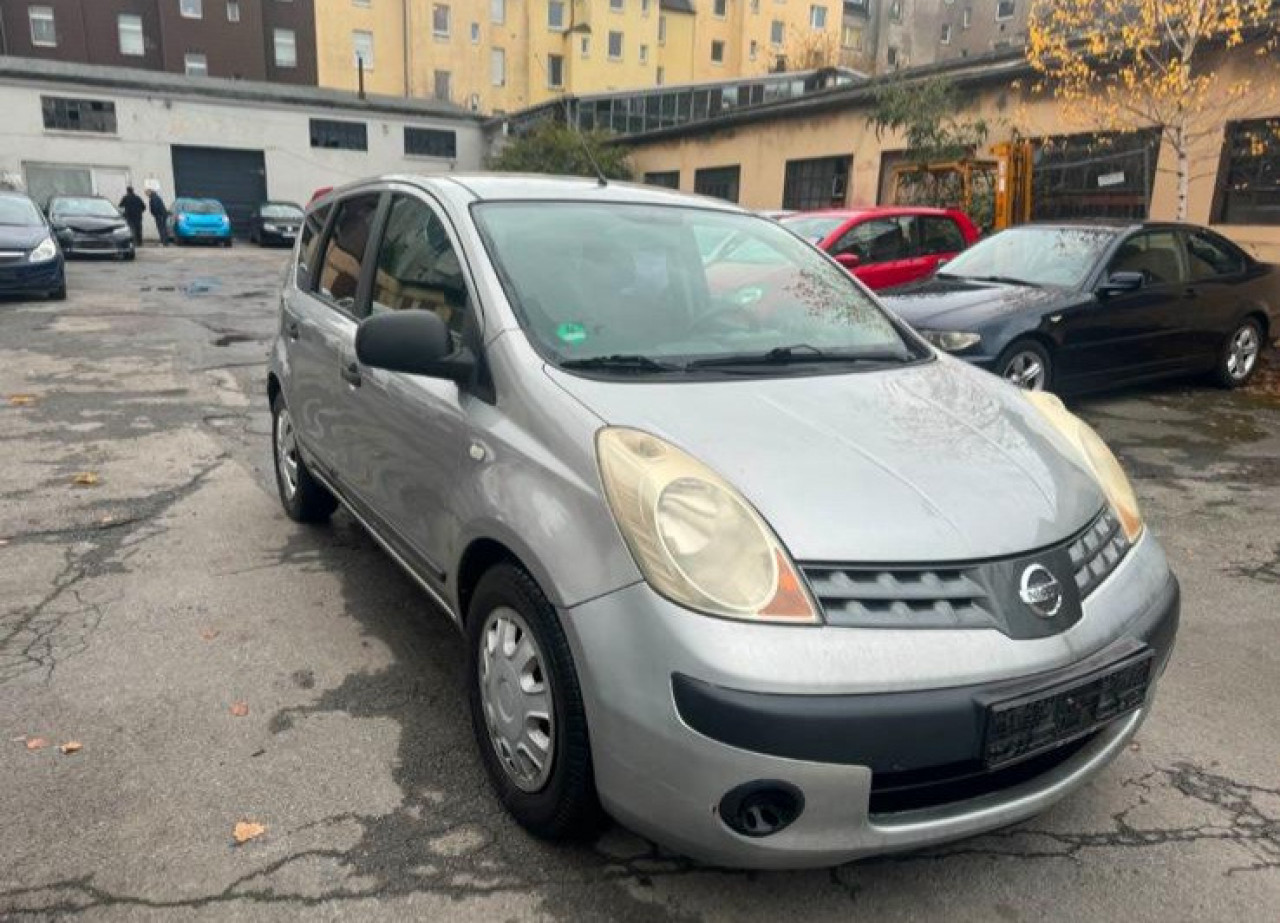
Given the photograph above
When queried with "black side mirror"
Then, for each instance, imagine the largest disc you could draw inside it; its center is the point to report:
(416, 342)
(1119, 283)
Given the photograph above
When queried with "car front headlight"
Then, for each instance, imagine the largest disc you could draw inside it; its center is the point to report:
(270, 227)
(1101, 461)
(122, 233)
(43, 252)
(951, 341)
(696, 540)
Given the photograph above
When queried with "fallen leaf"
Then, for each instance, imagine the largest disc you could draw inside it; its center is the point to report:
(36, 743)
(247, 830)
(72, 746)
(208, 634)
(240, 709)
(85, 479)
(21, 400)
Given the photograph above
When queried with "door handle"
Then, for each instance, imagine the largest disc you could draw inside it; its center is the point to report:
(291, 329)
(350, 371)
(1189, 293)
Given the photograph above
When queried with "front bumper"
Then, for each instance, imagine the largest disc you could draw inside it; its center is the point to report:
(32, 278)
(660, 776)
(95, 245)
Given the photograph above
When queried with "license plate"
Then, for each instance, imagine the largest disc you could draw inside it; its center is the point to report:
(1030, 724)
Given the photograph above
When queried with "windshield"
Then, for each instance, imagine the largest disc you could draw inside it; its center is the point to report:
(199, 207)
(86, 207)
(605, 280)
(281, 210)
(1035, 255)
(814, 228)
(22, 212)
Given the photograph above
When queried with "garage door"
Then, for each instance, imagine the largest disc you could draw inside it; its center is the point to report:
(236, 178)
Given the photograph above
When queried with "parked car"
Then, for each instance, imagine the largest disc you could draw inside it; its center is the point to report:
(90, 226)
(31, 262)
(275, 223)
(887, 245)
(1078, 307)
(199, 220)
(773, 587)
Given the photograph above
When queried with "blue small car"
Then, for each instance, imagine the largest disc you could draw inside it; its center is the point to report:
(199, 220)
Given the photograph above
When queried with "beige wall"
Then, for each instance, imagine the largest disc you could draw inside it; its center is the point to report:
(762, 149)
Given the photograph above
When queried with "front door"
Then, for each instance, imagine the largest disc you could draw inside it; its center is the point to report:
(883, 250)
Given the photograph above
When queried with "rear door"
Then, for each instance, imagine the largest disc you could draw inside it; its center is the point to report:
(882, 248)
(1219, 282)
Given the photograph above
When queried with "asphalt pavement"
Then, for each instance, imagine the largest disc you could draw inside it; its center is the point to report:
(219, 665)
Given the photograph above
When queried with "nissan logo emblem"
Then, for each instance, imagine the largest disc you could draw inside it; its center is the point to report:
(1041, 591)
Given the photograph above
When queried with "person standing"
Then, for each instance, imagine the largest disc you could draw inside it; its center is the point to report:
(160, 213)
(134, 208)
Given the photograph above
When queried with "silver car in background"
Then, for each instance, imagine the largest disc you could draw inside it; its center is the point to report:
(740, 559)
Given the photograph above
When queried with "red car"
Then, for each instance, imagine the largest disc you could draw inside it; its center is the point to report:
(886, 246)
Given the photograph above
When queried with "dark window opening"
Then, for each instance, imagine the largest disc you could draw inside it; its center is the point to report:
(1249, 180)
(344, 136)
(667, 179)
(721, 182)
(1107, 175)
(431, 142)
(822, 182)
(65, 114)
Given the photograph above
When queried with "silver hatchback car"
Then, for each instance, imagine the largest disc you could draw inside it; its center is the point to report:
(740, 559)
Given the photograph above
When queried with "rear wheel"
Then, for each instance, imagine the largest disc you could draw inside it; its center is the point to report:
(1026, 364)
(303, 497)
(1240, 352)
(227, 243)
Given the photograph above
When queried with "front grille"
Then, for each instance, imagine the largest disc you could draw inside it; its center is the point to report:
(1097, 551)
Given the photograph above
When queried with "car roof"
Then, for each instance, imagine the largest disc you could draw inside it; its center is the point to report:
(877, 211)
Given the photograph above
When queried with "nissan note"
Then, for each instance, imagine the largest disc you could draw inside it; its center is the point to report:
(746, 565)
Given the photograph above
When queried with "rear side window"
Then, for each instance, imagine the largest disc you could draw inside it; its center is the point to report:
(418, 267)
(309, 246)
(939, 235)
(340, 269)
(1212, 256)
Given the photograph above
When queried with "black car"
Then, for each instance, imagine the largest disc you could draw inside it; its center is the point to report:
(30, 261)
(90, 226)
(275, 223)
(1079, 307)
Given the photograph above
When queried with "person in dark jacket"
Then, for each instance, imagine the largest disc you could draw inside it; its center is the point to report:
(134, 208)
(160, 214)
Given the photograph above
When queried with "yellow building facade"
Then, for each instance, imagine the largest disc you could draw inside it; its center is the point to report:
(506, 55)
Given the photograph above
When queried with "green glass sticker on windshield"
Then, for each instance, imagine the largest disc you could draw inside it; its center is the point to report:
(571, 333)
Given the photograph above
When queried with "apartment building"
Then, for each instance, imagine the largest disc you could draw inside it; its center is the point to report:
(506, 55)
(271, 40)
(914, 33)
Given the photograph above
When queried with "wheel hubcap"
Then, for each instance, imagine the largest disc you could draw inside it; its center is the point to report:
(1243, 354)
(1026, 371)
(286, 453)
(516, 697)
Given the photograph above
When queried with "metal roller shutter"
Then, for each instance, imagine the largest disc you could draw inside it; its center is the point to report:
(236, 178)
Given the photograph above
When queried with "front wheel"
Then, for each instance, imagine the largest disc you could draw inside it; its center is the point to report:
(1239, 357)
(227, 243)
(1027, 364)
(303, 497)
(58, 294)
(526, 708)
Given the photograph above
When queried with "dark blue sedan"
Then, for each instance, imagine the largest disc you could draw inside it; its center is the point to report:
(30, 259)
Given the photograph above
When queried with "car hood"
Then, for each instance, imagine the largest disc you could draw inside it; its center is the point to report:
(88, 223)
(936, 462)
(21, 237)
(956, 304)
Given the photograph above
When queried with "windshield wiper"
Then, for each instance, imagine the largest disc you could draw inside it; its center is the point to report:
(621, 362)
(800, 353)
(1007, 280)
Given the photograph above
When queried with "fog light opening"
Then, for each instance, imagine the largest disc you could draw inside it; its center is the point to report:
(760, 809)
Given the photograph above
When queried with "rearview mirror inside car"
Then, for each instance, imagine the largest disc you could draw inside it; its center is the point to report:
(1120, 282)
(417, 342)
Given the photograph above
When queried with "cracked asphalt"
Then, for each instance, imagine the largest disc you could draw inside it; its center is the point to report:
(135, 611)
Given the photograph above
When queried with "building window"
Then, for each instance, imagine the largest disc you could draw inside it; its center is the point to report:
(895, 11)
(443, 85)
(755, 7)
(851, 38)
(822, 182)
(856, 6)
(717, 52)
(667, 179)
(615, 46)
(555, 15)
(1004, 9)
(339, 136)
(751, 49)
(660, 77)
(498, 67)
(362, 44)
(777, 32)
(498, 11)
(44, 31)
(584, 45)
(891, 56)
(555, 71)
(286, 45)
(191, 9)
(1249, 181)
(662, 29)
(721, 8)
(966, 17)
(475, 33)
(129, 27)
(430, 142)
(644, 7)
(441, 17)
(233, 10)
(363, 4)
(721, 182)
(946, 33)
(195, 64)
(644, 54)
(66, 114)
(617, 5)
(817, 17)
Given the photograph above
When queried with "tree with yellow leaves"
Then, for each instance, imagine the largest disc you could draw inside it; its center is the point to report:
(1126, 64)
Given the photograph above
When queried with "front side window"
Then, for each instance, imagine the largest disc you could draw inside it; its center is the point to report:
(1208, 255)
(195, 64)
(939, 235)
(191, 9)
(615, 45)
(44, 30)
(129, 27)
(440, 20)
(286, 48)
(676, 287)
(1154, 254)
(881, 240)
(1036, 255)
(339, 281)
(418, 268)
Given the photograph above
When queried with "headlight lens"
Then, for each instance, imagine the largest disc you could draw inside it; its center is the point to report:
(44, 251)
(122, 233)
(696, 539)
(951, 340)
(1100, 459)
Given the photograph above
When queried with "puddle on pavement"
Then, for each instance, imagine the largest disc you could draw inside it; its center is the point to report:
(230, 339)
(202, 286)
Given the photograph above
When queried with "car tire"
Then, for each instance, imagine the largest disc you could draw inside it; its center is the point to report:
(1241, 350)
(1026, 364)
(303, 497)
(130, 256)
(559, 800)
(58, 294)
(227, 244)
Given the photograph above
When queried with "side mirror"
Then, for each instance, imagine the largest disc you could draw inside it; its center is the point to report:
(1119, 283)
(849, 260)
(416, 342)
